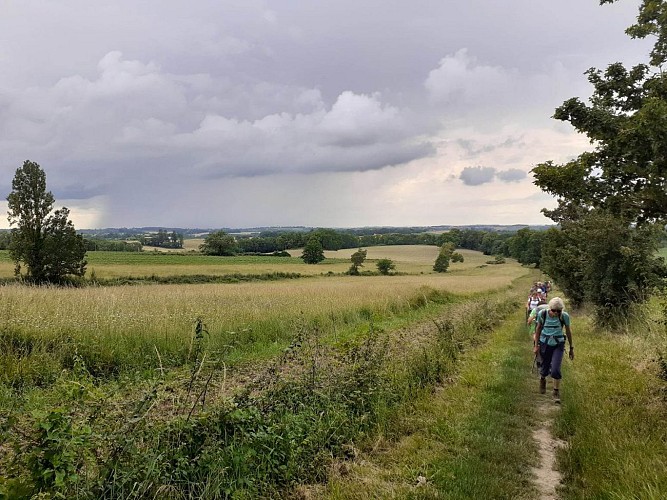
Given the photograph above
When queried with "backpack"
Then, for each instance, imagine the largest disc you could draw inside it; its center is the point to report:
(543, 317)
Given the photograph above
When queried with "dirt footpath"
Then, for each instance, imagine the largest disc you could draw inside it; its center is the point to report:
(547, 476)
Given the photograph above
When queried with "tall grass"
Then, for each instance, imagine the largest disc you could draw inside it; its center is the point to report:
(471, 439)
(614, 410)
(116, 329)
(315, 402)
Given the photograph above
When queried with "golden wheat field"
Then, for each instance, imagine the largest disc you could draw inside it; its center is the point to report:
(167, 310)
(412, 254)
(171, 308)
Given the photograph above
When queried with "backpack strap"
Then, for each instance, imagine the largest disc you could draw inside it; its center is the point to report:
(560, 317)
(543, 317)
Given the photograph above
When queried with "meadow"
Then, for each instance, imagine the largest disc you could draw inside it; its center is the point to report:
(122, 327)
(324, 385)
(98, 365)
(410, 259)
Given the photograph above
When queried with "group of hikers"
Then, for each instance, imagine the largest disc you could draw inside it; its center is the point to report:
(546, 322)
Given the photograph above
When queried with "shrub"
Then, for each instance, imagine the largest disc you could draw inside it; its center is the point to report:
(457, 257)
(385, 266)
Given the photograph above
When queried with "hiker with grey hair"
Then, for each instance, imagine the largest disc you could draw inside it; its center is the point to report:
(550, 343)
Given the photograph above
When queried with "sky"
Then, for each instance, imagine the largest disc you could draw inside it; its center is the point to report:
(323, 113)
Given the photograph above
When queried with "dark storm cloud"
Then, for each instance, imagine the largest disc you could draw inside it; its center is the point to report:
(474, 176)
(246, 90)
(77, 191)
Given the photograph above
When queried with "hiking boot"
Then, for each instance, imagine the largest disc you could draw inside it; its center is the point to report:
(556, 395)
(543, 385)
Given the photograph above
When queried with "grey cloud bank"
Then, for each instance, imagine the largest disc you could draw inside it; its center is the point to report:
(241, 113)
(474, 176)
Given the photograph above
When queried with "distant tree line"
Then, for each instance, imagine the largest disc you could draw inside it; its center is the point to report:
(100, 244)
(162, 239)
(332, 239)
(524, 245)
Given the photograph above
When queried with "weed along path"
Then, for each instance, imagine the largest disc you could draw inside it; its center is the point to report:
(485, 434)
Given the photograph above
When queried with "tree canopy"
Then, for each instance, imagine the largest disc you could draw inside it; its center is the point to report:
(612, 201)
(219, 243)
(357, 259)
(313, 252)
(385, 266)
(626, 121)
(442, 261)
(45, 243)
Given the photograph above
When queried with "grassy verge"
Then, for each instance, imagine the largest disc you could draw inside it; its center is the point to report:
(324, 394)
(614, 416)
(471, 439)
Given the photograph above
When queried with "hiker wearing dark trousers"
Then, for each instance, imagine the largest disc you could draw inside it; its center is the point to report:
(550, 343)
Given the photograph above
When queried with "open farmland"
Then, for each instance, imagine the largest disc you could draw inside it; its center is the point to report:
(189, 245)
(121, 326)
(411, 259)
(125, 364)
(141, 264)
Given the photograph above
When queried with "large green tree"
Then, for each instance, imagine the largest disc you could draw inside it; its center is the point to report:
(442, 261)
(626, 121)
(604, 260)
(357, 259)
(613, 200)
(44, 243)
(525, 246)
(313, 252)
(219, 243)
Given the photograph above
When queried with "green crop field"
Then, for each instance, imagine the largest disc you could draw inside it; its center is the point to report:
(103, 365)
(139, 264)
(410, 259)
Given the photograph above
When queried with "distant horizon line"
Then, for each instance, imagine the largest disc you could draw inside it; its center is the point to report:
(306, 227)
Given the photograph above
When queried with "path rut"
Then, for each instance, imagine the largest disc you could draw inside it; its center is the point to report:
(547, 476)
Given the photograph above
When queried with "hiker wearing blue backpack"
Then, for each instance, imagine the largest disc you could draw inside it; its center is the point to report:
(550, 343)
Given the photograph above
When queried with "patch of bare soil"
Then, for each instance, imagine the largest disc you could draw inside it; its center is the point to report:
(547, 476)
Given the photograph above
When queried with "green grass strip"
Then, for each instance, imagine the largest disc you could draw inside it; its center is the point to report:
(472, 439)
(614, 416)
